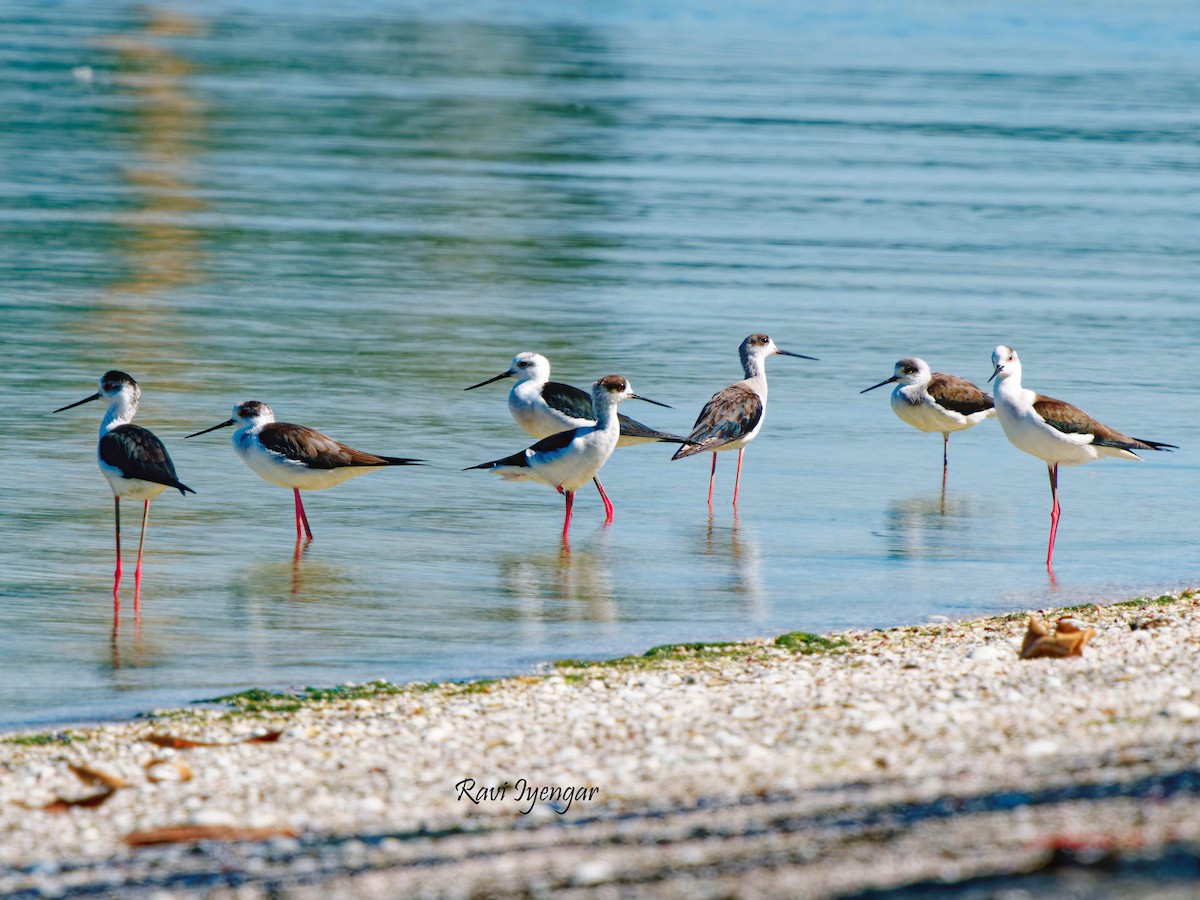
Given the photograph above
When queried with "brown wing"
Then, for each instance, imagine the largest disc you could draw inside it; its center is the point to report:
(1072, 420)
(957, 394)
(317, 451)
(729, 415)
(1069, 419)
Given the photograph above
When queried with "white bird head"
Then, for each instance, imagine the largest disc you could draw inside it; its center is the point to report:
(525, 366)
(758, 347)
(910, 370)
(612, 389)
(1005, 363)
(247, 414)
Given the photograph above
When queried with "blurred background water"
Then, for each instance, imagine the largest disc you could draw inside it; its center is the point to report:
(354, 214)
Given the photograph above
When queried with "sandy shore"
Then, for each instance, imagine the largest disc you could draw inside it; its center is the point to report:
(842, 766)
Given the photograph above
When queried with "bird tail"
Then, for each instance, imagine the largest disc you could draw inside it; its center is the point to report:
(691, 448)
(1155, 445)
(517, 460)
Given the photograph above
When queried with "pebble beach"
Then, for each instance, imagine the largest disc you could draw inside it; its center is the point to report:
(864, 763)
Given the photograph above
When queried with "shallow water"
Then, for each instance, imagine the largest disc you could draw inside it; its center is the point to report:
(352, 216)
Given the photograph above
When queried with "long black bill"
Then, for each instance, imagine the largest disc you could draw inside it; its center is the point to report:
(881, 384)
(797, 355)
(648, 400)
(224, 424)
(95, 396)
(995, 372)
(490, 380)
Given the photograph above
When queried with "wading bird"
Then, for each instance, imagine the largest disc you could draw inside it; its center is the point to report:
(734, 416)
(1053, 431)
(543, 408)
(569, 459)
(294, 456)
(134, 461)
(935, 401)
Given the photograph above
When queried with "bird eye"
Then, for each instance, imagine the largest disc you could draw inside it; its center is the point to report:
(523, 364)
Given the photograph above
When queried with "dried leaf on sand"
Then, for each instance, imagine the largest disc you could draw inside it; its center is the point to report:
(183, 834)
(1070, 636)
(89, 775)
(180, 743)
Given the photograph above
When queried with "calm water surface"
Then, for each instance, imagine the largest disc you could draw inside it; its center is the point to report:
(354, 215)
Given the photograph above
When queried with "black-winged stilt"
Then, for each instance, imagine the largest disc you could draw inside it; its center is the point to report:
(543, 408)
(734, 416)
(1055, 432)
(935, 401)
(569, 459)
(134, 461)
(296, 457)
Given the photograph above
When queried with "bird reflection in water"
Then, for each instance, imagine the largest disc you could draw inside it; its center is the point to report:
(135, 659)
(560, 585)
(299, 576)
(934, 525)
(740, 549)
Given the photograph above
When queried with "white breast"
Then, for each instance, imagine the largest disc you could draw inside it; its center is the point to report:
(925, 415)
(278, 469)
(1029, 432)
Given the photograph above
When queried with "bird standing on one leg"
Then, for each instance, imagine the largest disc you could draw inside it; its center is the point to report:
(543, 408)
(1053, 431)
(134, 461)
(734, 416)
(570, 459)
(935, 401)
(296, 457)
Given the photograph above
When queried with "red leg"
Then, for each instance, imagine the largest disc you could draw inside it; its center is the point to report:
(117, 576)
(608, 507)
(737, 478)
(137, 573)
(570, 495)
(300, 516)
(1054, 514)
(711, 476)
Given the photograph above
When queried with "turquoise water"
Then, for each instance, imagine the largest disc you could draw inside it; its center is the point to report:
(354, 215)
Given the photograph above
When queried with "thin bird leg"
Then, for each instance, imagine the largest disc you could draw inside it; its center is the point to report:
(137, 573)
(608, 507)
(300, 516)
(738, 478)
(1054, 513)
(712, 475)
(117, 577)
(945, 456)
(570, 495)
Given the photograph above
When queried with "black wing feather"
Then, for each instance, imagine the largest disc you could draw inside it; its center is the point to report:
(138, 453)
(568, 400)
(632, 428)
(576, 403)
(521, 458)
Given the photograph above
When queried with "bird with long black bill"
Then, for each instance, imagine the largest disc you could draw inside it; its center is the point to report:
(543, 408)
(295, 456)
(1055, 432)
(134, 461)
(935, 401)
(734, 415)
(570, 459)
